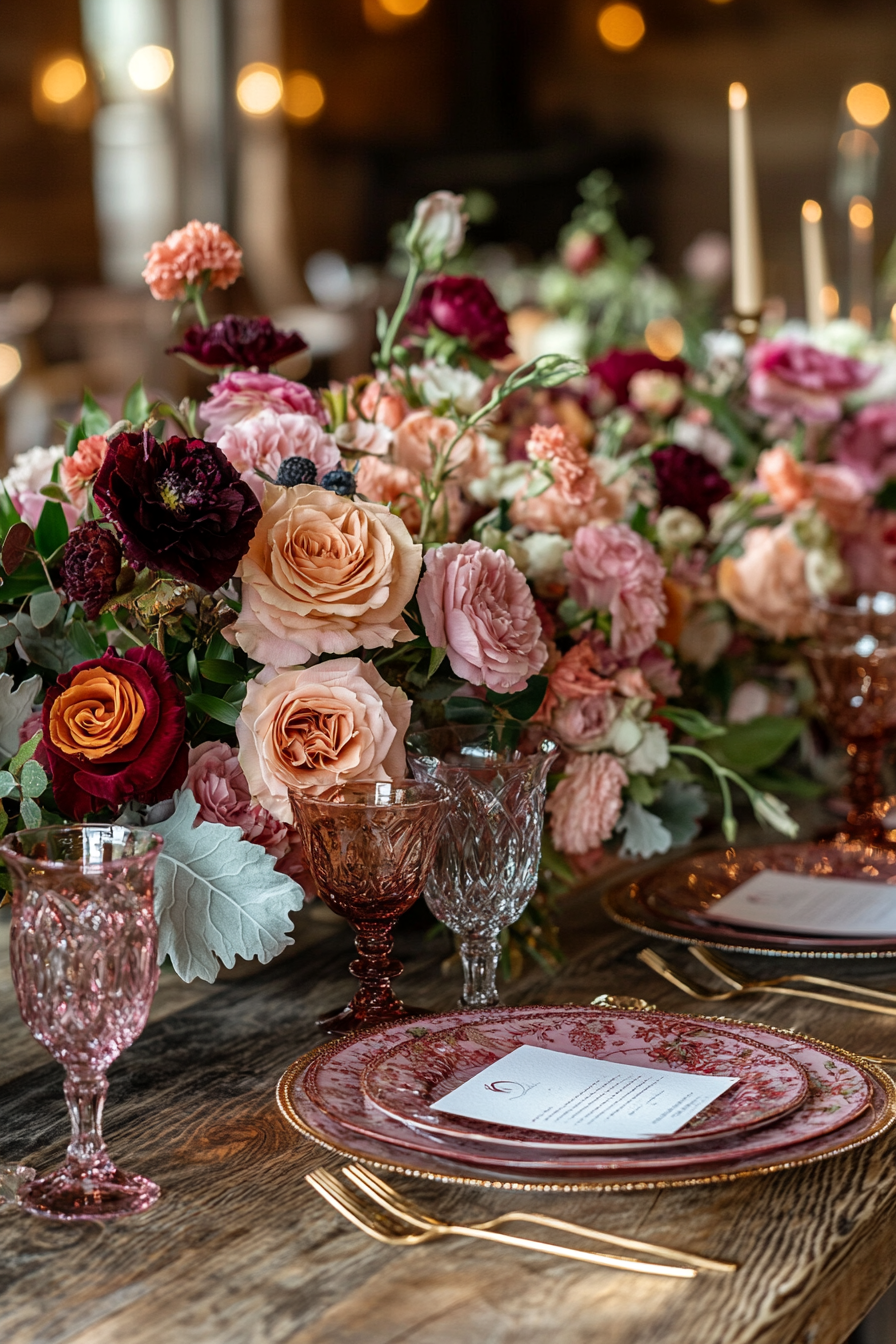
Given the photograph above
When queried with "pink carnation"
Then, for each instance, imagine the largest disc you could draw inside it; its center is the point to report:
(586, 804)
(477, 604)
(792, 381)
(186, 254)
(244, 394)
(614, 569)
(867, 444)
(265, 441)
(76, 472)
(216, 780)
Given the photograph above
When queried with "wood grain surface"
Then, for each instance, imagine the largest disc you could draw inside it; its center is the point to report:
(240, 1250)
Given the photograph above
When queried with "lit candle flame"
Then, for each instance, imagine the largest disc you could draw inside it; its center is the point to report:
(811, 211)
(737, 96)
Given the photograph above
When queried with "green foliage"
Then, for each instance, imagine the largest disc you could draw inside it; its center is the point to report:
(747, 747)
(136, 406)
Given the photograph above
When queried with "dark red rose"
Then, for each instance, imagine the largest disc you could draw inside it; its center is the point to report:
(463, 306)
(91, 563)
(686, 480)
(179, 506)
(114, 732)
(617, 368)
(244, 342)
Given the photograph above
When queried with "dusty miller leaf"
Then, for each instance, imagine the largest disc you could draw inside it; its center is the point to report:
(645, 834)
(217, 895)
(16, 703)
(679, 807)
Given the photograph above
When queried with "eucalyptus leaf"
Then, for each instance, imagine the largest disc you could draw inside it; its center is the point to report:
(8, 785)
(217, 897)
(16, 703)
(25, 752)
(33, 779)
(8, 634)
(30, 812)
(43, 609)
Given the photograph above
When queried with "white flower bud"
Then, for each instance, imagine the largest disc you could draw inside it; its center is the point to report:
(438, 229)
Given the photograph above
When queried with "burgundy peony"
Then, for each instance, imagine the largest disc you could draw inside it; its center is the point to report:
(686, 480)
(90, 565)
(179, 506)
(617, 368)
(463, 306)
(114, 732)
(247, 342)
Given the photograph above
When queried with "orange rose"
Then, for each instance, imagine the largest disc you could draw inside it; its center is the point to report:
(99, 713)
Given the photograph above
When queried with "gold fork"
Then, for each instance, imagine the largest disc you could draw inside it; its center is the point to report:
(713, 962)
(743, 986)
(393, 1231)
(395, 1203)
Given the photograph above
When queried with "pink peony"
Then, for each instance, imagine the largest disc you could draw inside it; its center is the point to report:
(243, 394)
(792, 381)
(186, 255)
(586, 804)
(614, 569)
(767, 584)
(265, 441)
(867, 444)
(76, 472)
(477, 604)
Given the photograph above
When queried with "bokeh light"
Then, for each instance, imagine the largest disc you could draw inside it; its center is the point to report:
(621, 27)
(63, 80)
(811, 212)
(259, 89)
(868, 104)
(10, 364)
(151, 68)
(861, 215)
(737, 96)
(303, 96)
(829, 298)
(664, 337)
(404, 9)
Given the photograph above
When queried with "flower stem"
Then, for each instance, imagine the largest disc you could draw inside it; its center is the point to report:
(404, 303)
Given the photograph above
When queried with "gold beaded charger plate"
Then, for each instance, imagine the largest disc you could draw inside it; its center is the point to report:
(671, 901)
(301, 1112)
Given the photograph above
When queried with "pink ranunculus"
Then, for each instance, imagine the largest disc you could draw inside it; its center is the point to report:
(76, 472)
(767, 584)
(582, 724)
(243, 394)
(269, 438)
(793, 381)
(476, 604)
(586, 804)
(381, 404)
(186, 254)
(867, 444)
(614, 569)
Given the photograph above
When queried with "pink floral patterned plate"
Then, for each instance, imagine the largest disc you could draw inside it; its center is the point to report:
(838, 1094)
(826, 1125)
(671, 901)
(405, 1081)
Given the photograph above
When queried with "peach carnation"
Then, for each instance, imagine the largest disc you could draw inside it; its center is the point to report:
(767, 584)
(387, 483)
(186, 255)
(551, 511)
(77, 472)
(574, 477)
(586, 804)
(323, 574)
(319, 726)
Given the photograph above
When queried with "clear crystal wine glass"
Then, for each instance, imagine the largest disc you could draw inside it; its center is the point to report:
(83, 951)
(370, 846)
(486, 870)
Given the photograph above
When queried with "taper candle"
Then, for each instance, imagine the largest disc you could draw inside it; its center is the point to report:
(815, 263)
(746, 246)
(861, 260)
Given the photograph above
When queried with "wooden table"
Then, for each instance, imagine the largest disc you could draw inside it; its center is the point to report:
(240, 1250)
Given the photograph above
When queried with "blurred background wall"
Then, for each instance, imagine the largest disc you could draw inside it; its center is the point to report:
(308, 127)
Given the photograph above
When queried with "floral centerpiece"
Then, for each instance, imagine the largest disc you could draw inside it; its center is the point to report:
(208, 606)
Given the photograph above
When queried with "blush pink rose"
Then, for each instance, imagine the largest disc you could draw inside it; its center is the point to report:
(767, 584)
(586, 804)
(216, 780)
(867, 444)
(475, 603)
(319, 726)
(792, 381)
(615, 569)
(243, 394)
(267, 439)
(76, 472)
(413, 437)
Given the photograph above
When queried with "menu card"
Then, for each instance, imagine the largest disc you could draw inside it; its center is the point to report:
(797, 903)
(549, 1090)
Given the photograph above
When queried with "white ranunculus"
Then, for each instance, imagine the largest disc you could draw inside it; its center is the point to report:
(651, 753)
(442, 386)
(505, 480)
(438, 229)
(625, 735)
(678, 529)
(32, 469)
(544, 557)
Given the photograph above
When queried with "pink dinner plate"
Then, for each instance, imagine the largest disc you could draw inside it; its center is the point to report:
(818, 1130)
(839, 1092)
(408, 1079)
(671, 901)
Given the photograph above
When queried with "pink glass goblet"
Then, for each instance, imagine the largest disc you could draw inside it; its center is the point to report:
(83, 950)
(370, 847)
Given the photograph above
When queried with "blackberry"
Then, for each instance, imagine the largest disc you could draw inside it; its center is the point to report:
(340, 482)
(297, 471)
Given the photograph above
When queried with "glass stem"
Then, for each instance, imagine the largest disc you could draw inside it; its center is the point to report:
(867, 755)
(376, 968)
(480, 962)
(85, 1097)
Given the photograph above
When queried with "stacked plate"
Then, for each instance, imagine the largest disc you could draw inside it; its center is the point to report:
(370, 1097)
(671, 901)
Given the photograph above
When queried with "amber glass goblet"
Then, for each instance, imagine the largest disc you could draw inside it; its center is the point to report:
(370, 847)
(853, 663)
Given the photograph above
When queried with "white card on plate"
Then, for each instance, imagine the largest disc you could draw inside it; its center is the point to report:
(799, 903)
(571, 1094)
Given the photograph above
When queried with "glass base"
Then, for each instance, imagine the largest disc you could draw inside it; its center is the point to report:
(349, 1019)
(75, 1196)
